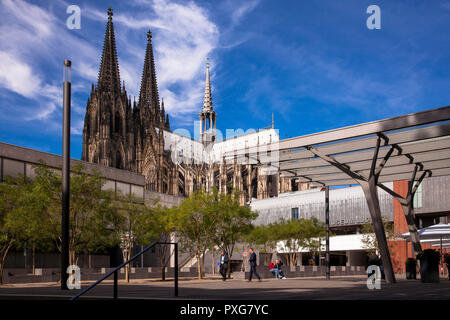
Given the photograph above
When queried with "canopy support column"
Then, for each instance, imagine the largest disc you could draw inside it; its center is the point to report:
(371, 194)
(369, 186)
(408, 210)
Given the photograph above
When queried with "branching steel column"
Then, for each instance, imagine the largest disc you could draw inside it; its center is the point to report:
(408, 210)
(371, 194)
(369, 186)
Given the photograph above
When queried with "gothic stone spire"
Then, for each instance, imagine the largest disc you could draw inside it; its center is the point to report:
(207, 102)
(148, 95)
(109, 77)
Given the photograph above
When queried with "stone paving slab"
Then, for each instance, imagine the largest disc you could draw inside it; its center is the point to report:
(343, 288)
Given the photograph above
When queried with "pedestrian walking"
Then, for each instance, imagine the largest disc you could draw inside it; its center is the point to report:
(252, 260)
(223, 265)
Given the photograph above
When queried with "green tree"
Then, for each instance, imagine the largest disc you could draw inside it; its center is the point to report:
(314, 232)
(264, 238)
(369, 239)
(10, 190)
(232, 221)
(90, 206)
(297, 234)
(158, 225)
(127, 226)
(288, 233)
(29, 221)
(195, 226)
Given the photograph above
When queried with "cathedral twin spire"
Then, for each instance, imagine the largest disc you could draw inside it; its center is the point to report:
(148, 96)
(109, 76)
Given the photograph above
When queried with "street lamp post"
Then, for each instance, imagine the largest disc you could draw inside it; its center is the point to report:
(327, 223)
(65, 175)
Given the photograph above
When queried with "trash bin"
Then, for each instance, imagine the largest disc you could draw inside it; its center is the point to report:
(411, 268)
(429, 266)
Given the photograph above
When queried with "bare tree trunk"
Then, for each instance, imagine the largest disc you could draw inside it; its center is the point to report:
(33, 255)
(71, 257)
(163, 273)
(292, 259)
(4, 252)
(203, 261)
(128, 267)
(164, 255)
(230, 254)
(213, 264)
(199, 266)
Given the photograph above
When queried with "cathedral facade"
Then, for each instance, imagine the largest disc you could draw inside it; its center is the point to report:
(136, 136)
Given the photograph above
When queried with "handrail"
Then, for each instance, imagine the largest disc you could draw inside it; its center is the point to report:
(127, 262)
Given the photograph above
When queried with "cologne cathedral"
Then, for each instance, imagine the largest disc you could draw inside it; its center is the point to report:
(136, 136)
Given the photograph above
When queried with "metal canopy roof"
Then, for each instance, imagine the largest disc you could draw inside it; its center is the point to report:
(408, 147)
(419, 140)
(427, 147)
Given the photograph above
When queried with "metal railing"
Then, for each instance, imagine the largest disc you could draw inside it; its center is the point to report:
(115, 289)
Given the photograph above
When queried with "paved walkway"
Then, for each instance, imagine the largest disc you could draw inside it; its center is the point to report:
(346, 288)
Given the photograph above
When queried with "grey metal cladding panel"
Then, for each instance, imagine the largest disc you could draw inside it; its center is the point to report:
(348, 206)
(435, 195)
(55, 161)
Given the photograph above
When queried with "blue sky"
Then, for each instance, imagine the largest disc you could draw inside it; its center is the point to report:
(313, 63)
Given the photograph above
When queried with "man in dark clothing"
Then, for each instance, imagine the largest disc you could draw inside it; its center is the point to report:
(374, 260)
(252, 260)
(223, 265)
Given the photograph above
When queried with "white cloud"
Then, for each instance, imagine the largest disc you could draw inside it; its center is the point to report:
(240, 11)
(30, 16)
(17, 76)
(30, 40)
(183, 37)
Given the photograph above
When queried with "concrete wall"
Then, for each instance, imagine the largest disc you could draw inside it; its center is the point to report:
(16, 160)
(54, 274)
(163, 199)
